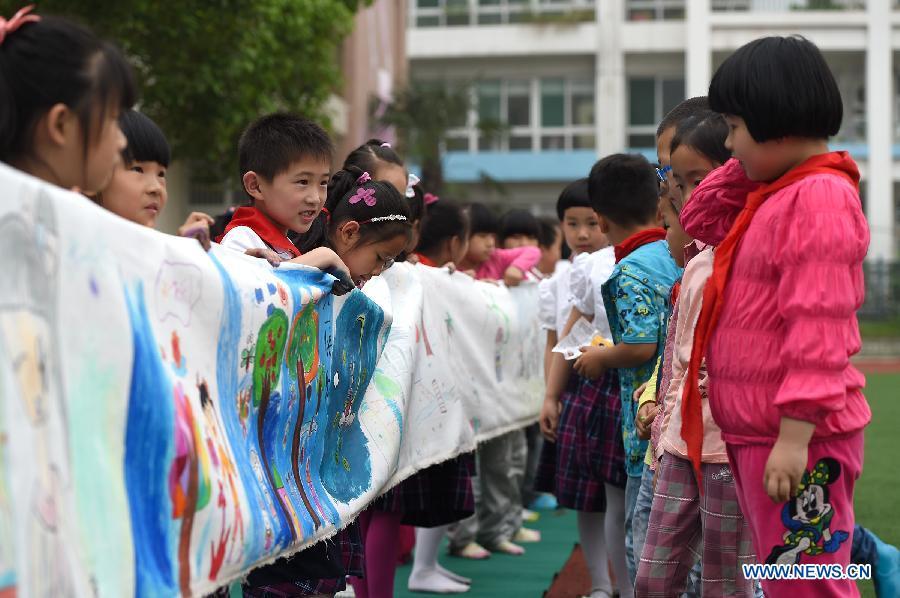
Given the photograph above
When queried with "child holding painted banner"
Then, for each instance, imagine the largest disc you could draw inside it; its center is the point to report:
(582, 462)
(62, 90)
(380, 523)
(137, 190)
(498, 511)
(519, 228)
(442, 494)
(367, 224)
(285, 161)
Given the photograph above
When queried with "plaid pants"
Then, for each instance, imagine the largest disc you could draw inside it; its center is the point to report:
(684, 524)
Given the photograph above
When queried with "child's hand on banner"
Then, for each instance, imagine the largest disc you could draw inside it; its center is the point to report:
(197, 227)
(344, 284)
(265, 254)
(513, 276)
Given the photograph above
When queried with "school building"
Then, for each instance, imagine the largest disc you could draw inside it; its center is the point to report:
(573, 80)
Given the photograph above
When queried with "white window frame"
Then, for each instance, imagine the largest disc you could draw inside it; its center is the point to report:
(658, 7)
(778, 5)
(506, 9)
(658, 110)
(534, 130)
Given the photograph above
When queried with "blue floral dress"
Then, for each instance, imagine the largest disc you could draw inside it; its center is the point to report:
(637, 299)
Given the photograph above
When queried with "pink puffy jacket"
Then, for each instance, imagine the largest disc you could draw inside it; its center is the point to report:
(788, 326)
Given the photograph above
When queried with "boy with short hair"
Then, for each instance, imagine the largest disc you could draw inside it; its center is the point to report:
(624, 193)
(285, 164)
(650, 416)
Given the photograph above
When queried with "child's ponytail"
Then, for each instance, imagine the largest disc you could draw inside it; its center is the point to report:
(52, 61)
(367, 156)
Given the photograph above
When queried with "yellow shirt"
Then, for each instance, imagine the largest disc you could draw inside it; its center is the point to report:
(648, 396)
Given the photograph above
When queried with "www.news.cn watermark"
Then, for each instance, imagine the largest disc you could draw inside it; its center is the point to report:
(807, 571)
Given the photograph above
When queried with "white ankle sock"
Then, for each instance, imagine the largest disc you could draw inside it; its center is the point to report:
(428, 543)
(454, 576)
(431, 580)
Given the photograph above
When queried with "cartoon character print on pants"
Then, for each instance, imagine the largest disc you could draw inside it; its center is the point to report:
(808, 517)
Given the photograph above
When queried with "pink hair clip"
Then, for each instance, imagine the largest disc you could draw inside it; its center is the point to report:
(363, 178)
(363, 194)
(20, 18)
(385, 144)
(430, 198)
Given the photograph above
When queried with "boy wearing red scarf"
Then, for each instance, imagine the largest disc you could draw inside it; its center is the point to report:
(624, 193)
(285, 163)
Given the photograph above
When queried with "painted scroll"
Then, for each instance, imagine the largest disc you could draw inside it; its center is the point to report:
(172, 419)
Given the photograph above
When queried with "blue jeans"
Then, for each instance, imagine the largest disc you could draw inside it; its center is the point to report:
(641, 518)
(632, 490)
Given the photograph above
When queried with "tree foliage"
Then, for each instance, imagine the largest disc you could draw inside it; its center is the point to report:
(209, 67)
(423, 113)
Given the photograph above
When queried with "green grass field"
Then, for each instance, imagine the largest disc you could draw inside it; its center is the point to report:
(879, 329)
(877, 498)
(878, 490)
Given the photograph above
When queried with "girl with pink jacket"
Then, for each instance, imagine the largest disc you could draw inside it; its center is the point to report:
(778, 323)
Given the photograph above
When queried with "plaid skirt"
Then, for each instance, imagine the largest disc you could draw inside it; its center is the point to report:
(320, 569)
(588, 451)
(437, 495)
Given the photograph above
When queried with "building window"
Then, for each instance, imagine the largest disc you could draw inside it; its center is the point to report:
(785, 5)
(649, 99)
(451, 13)
(655, 10)
(549, 113)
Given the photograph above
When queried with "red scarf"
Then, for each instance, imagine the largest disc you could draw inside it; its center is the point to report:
(426, 261)
(676, 291)
(638, 240)
(838, 163)
(259, 223)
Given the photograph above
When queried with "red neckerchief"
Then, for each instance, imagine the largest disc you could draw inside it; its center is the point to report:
(676, 291)
(626, 247)
(259, 223)
(426, 261)
(837, 163)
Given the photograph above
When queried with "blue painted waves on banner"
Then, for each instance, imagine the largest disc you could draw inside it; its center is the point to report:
(236, 394)
(346, 463)
(148, 456)
(311, 502)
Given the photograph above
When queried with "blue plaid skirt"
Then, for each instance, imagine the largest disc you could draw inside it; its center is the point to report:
(588, 451)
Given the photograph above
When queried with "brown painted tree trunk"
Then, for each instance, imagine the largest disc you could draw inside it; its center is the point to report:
(187, 519)
(295, 447)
